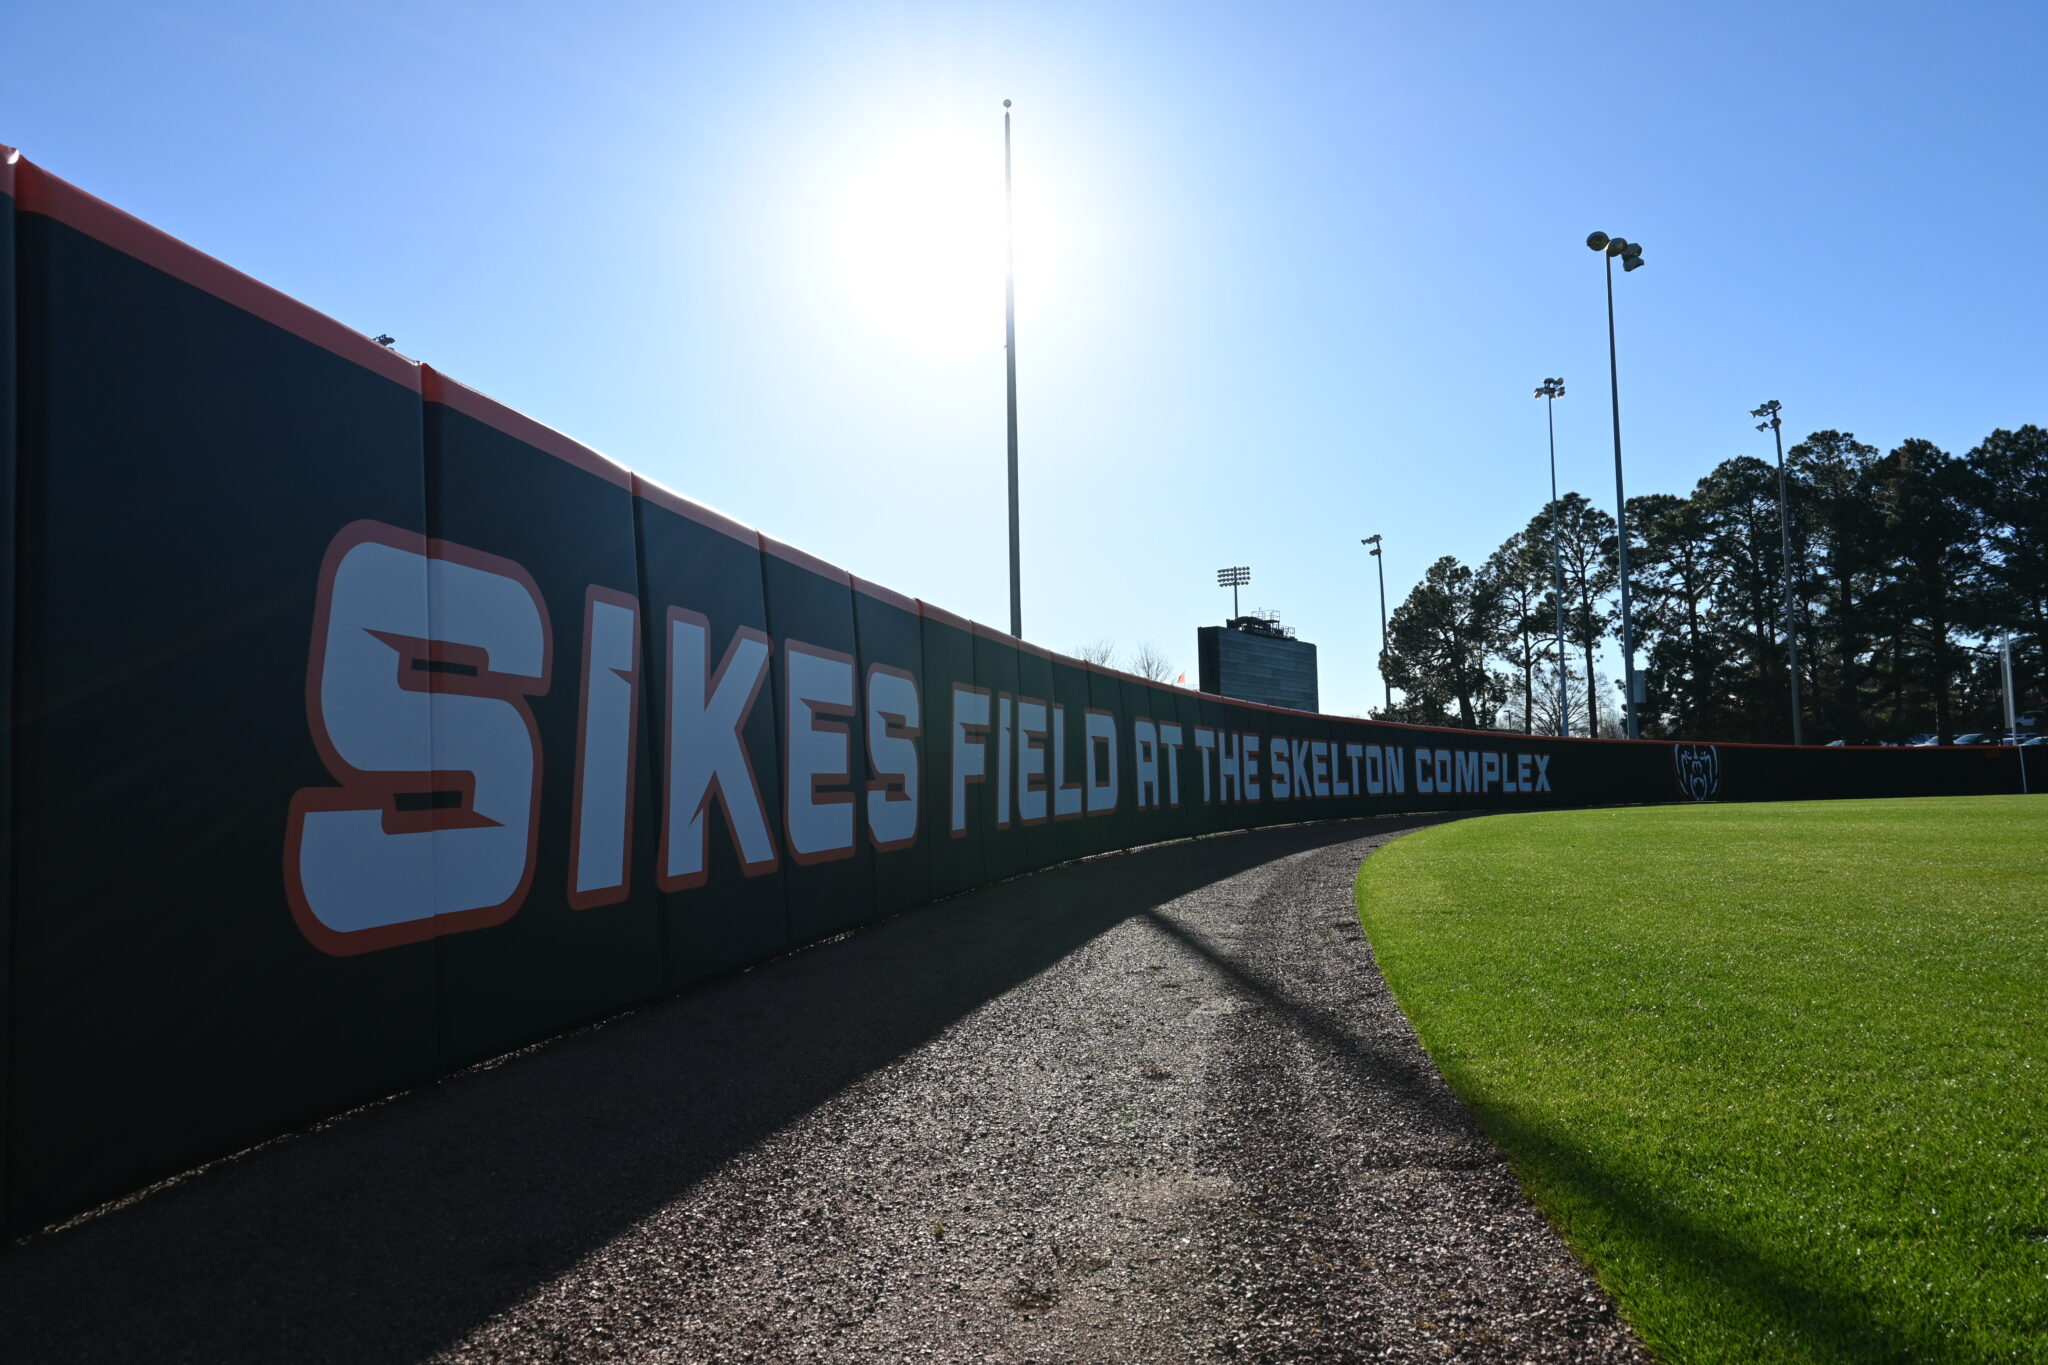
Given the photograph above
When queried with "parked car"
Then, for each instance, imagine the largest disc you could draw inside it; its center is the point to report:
(1920, 741)
(1977, 737)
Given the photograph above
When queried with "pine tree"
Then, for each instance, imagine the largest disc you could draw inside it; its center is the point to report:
(1520, 571)
(1586, 537)
(1439, 642)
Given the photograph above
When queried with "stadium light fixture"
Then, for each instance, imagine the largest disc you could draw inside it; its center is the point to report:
(1630, 254)
(1233, 578)
(1773, 424)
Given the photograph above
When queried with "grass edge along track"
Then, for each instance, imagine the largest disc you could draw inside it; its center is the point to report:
(1778, 1072)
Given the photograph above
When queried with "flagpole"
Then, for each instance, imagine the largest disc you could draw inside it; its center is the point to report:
(1010, 361)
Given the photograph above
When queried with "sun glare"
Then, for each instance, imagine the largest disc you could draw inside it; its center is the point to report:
(920, 243)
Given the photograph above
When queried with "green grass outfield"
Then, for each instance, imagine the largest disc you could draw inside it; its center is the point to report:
(1779, 1072)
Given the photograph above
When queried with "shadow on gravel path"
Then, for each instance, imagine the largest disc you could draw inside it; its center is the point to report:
(1331, 1089)
(392, 1233)
(1371, 1218)
(1398, 1074)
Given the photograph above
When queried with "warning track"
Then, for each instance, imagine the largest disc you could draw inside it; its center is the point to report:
(1152, 1107)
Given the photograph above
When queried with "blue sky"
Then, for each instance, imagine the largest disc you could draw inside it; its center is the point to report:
(1286, 274)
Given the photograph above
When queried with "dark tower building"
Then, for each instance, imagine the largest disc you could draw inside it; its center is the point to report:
(1255, 658)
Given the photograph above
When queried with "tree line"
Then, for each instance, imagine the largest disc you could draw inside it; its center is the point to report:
(1905, 568)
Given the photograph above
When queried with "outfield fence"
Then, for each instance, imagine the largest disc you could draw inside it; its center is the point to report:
(361, 728)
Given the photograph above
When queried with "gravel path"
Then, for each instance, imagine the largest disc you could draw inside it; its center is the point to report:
(1153, 1107)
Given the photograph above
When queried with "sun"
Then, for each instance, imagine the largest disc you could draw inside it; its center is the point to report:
(920, 243)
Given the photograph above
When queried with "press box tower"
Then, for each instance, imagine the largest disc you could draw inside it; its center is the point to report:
(1255, 658)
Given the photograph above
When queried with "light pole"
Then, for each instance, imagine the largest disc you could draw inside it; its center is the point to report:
(1550, 390)
(1631, 256)
(1372, 547)
(2012, 725)
(1010, 361)
(1772, 423)
(1233, 579)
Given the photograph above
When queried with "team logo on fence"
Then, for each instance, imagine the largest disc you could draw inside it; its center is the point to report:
(1699, 769)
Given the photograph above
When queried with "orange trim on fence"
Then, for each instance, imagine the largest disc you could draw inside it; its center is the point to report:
(888, 595)
(647, 490)
(37, 191)
(1122, 676)
(943, 617)
(831, 573)
(437, 387)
